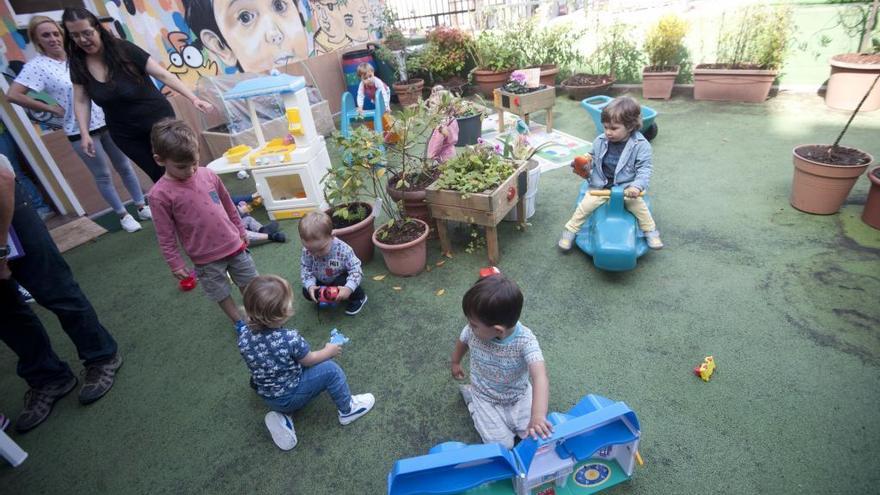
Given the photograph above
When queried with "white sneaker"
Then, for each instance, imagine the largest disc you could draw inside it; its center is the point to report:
(145, 213)
(360, 405)
(653, 239)
(129, 223)
(281, 428)
(565, 240)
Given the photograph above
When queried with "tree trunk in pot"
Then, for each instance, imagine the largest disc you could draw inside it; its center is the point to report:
(414, 206)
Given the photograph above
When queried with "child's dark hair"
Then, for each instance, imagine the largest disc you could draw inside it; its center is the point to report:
(493, 300)
(625, 111)
(268, 302)
(173, 139)
(117, 61)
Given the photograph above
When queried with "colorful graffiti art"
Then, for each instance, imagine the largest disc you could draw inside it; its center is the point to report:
(340, 23)
(186, 61)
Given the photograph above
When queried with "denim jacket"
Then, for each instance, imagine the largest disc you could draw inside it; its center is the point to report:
(633, 168)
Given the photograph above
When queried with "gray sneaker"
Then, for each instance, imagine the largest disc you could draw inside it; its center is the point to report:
(467, 393)
(99, 379)
(38, 403)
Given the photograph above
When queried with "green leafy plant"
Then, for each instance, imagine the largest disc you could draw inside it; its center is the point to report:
(545, 45)
(407, 159)
(618, 55)
(492, 50)
(348, 180)
(755, 37)
(664, 42)
(476, 169)
(446, 55)
(362, 154)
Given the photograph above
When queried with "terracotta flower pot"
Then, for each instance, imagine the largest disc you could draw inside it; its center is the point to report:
(414, 206)
(409, 92)
(746, 85)
(658, 84)
(851, 76)
(579, 90)
(488, 80)
(548, 74)
(871, 213)
(405, 259)
(822, 188)
(359, 236)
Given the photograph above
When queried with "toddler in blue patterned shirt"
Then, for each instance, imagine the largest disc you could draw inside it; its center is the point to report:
(329, 261)
(285, 372)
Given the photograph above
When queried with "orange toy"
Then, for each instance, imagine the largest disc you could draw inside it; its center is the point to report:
(582, 165)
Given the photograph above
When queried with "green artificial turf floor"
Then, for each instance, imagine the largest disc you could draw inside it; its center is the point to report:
(786, 302)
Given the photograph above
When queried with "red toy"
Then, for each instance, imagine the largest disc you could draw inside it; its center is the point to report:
(326, 296)
(489, 271)
(188, 283)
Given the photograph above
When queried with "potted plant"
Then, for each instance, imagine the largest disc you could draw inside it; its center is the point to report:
(553, 49)
(518, 148)
(616, 59)
(346, 186)
(750, 51)
(445, 59)
(469, 116)
(495, 59)
(477, 186)
(851, 73)
(665, 49)
(824, 175)
(401, 239)
(410, 170)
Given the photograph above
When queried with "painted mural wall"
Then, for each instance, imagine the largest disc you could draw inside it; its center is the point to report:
(194, 38)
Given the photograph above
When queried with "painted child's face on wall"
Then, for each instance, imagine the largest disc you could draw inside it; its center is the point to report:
(259, 32)
(330, 14)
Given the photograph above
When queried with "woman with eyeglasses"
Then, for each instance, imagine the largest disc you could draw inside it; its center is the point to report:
(115, 74)
(49, 72)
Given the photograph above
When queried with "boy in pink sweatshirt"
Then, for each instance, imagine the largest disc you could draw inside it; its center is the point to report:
(191, 205)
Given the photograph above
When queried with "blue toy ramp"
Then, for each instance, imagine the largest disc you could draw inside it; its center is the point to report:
(349, 112)
(611, 235)
(594, 105)
(453, 468)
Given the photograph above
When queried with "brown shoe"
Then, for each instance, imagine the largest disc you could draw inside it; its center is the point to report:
(99, 379)
(38, 403)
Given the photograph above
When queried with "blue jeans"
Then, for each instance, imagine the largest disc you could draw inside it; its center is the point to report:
(106, 150)
(314, 380)
(9, 148)
(45, 274)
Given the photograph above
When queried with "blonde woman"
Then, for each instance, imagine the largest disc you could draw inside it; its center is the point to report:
(49, 72)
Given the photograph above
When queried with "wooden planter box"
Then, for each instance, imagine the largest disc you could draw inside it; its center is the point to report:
(525, 104)
(487, 208)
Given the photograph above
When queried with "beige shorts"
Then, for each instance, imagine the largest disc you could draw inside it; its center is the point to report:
(212, 276)
(497, 423)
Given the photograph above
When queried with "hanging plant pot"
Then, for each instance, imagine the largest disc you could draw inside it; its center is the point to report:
(359, 235)
(408, 258)
(822, 180)
(851, 76)
(488, 80)
(657, 82)
(469, 130)
(409, 92)
(871, 213)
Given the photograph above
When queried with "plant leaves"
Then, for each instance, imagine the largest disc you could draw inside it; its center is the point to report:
(440, 263)
(441, 292)
(379, 278)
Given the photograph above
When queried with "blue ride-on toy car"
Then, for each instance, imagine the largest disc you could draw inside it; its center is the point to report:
(595, 104)
(611, 235)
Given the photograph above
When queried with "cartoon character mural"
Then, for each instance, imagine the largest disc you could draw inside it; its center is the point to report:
(186, 61)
